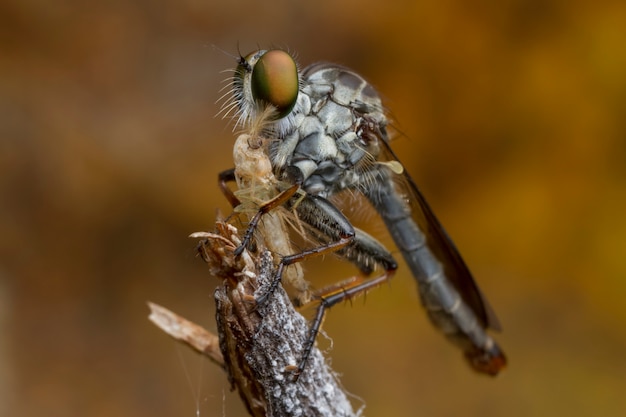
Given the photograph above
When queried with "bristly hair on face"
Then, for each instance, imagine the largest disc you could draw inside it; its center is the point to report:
(239, 104)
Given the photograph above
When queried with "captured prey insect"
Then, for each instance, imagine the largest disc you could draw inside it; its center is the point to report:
(328, 136)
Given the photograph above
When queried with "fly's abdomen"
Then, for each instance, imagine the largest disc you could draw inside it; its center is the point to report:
(444, 304)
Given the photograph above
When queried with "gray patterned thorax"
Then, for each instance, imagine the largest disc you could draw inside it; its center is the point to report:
(333, 131)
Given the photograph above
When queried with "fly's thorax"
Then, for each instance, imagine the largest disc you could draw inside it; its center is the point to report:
(342, 85)
(329, 130)
(335, 140)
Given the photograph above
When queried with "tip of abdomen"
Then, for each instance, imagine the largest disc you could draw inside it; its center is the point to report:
(487, 361)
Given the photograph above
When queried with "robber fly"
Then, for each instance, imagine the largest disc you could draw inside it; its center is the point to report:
(328, 136)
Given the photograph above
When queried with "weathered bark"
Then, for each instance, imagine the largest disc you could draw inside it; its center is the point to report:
(262, 344)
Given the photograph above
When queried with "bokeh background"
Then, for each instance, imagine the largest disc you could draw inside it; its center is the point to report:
(509, 115)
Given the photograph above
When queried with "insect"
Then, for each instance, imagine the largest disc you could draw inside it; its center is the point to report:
(258, 194)
(328, 136)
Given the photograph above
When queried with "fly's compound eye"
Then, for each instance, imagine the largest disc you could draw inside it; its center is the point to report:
(275, 81)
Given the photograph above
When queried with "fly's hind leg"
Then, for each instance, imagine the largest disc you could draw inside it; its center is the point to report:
(329, 225)
(365, 252)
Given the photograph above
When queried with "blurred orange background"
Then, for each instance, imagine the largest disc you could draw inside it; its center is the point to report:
(512, 117)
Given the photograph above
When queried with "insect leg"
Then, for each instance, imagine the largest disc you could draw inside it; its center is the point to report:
(225, 177)
(329, 224)
(337, 234)
(270, 205)
(366, 252)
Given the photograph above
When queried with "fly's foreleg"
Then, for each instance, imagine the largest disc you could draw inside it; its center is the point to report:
(223, 179)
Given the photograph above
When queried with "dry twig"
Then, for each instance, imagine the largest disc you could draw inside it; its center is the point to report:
(261, 345)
